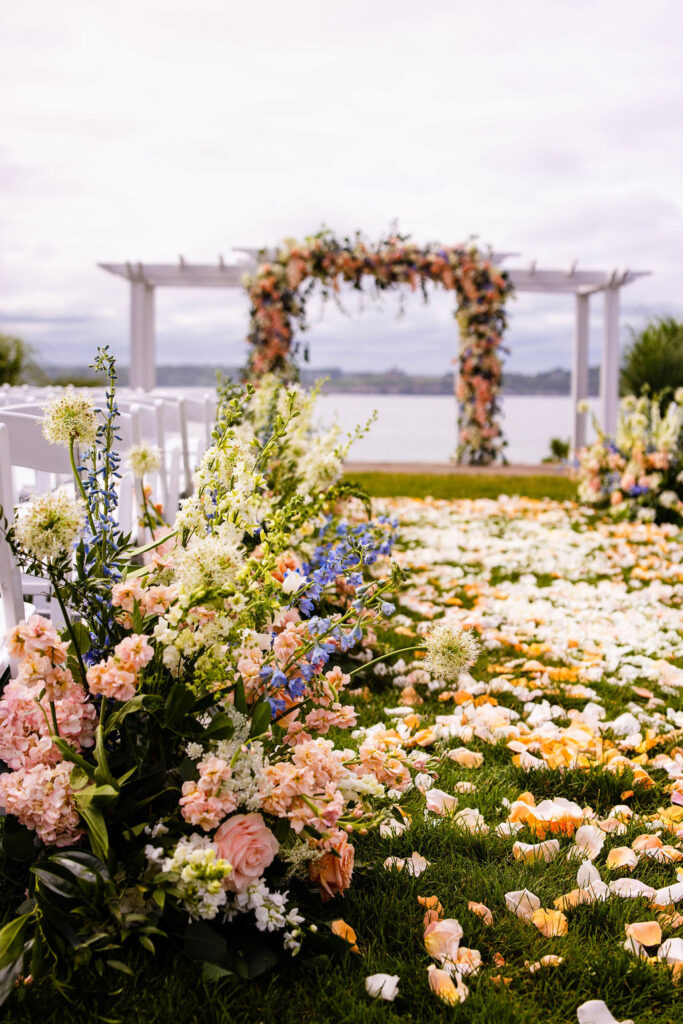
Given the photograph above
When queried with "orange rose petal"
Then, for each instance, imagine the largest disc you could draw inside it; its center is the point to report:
(482, 911)
(550, 923)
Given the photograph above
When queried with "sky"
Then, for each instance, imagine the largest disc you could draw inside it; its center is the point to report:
(146, 129)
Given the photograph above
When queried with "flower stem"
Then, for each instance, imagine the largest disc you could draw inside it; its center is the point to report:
(401, 650)
(53, 712)
(145, 507)
(79, 484)
(67, 621)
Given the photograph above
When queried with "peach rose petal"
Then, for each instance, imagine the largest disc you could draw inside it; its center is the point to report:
(529, 853)
(346, 932)
(550, 923)
(482, 911)
(442, 939)
(448, 990)
(467, 758)
(621, 857)
(647, 933)
(439, 802)
(550, 960)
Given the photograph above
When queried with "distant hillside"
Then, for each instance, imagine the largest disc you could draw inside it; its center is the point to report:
(390, 382)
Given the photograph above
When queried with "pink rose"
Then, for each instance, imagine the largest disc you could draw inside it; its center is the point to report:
(332, 872)
(247, 843)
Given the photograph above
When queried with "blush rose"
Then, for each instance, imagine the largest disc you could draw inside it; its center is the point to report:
(247, 843)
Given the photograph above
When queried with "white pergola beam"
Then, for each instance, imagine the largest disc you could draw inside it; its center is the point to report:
(579, 381)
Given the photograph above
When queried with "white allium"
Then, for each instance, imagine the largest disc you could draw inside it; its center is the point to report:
(71, 417)
(144, 459)
(450, 649)
(48, 524)
(211, 562)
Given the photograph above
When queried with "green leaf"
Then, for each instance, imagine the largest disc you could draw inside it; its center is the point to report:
(221, 727)
(69, 754)
(103, 773)
(12, 939)
(240, 698)
(96, 826)
(180, 702)
(118, 965)
(261, 718)
(82, 636)
(136, 703)
(212, 972)
(10, 974)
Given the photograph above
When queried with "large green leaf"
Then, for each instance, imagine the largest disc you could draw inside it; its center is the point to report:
(261, 718)
(12, 939)
(180, 702)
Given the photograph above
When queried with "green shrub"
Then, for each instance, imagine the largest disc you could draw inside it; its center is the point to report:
(653, 362)
(17, 365)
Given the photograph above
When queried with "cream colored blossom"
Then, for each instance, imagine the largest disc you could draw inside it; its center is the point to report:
(48, 524)
(71, 417)
(144, 459)
(450, 650)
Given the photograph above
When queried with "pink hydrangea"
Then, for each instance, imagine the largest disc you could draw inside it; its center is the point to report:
(338, 716)
(37, 636)
(207, 801)
(25, 738)
(42, 799)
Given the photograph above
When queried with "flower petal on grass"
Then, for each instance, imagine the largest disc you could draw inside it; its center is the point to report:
(382, 986)
(595, 1011)
(529, 853)
(588, 842)
(671, 951)
(647, 933)
(470, 819)
(346, 932)
(622, 857)
(550, 923)
(482, 911)
(448, 990)
(442, 939)
(522, 903)
(549, 960)
(439, 802)
(467, 758)
(631, 888)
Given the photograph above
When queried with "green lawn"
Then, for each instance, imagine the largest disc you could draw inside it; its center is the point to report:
(463, 485)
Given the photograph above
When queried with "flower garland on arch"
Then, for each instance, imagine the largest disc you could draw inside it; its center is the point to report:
(281, 285)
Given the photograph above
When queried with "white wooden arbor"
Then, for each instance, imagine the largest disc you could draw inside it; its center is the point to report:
(144, 278)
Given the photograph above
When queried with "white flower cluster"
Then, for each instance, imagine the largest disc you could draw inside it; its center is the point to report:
(198, 873)
(71, 417)
(227, 487)
(209, 563)
(144, 459)
(450, 649)
(270, 911)
(48, 524)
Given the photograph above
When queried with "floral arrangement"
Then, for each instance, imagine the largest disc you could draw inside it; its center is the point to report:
(280, 287)
(639, 472)
(171, 776)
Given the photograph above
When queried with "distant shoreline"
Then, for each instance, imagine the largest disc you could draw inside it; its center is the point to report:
(390, 382)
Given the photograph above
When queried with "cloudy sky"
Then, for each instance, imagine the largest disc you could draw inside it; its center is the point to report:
(142, 129)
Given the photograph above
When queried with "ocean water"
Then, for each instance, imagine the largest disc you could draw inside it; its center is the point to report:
(421, 428)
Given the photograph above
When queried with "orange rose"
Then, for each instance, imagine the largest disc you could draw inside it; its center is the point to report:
(332, 872)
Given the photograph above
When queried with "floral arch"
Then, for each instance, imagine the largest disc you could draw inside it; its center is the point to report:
(279, 288)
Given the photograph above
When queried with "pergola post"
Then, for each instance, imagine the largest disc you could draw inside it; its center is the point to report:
(142, 336)
(579, 383)
(609, 370)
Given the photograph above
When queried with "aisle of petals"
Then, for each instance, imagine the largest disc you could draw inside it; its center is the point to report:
(557, 763)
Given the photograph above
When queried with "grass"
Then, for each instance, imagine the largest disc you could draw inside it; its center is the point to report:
(382, 907)
(421, 485)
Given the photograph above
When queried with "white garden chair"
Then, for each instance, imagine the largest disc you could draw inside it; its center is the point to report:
(13, 608)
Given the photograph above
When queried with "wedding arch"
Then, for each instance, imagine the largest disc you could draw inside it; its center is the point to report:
(281, 284)
(582, 285)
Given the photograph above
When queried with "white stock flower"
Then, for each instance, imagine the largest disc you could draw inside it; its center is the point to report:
(48, 524)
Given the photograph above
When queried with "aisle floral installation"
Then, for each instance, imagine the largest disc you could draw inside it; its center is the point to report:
(281, 286)
(170, 772)
(638, 474)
